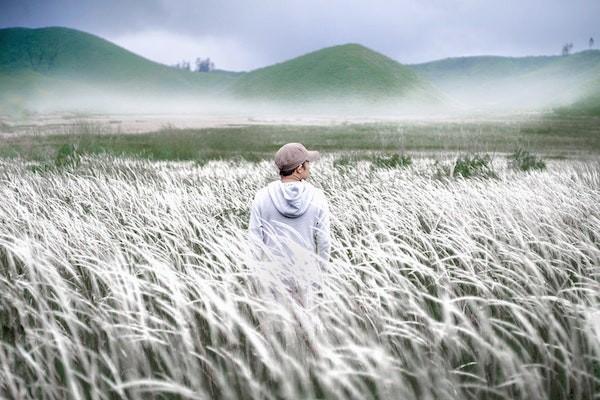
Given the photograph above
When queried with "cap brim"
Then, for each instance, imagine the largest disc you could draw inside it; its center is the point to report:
(313, 155)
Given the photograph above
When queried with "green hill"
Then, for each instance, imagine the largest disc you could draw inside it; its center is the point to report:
(53, 69)
(587, 105)
(520, 82)
(51, 64)
(346, 74)
(478, 68)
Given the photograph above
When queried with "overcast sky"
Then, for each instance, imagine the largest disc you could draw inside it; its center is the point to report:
(243, 35)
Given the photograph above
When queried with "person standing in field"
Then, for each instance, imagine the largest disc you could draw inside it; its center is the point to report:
(289, 220)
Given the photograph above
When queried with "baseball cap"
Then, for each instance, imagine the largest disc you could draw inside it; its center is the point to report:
(292, 155)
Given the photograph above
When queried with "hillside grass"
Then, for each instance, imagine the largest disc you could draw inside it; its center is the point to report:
(587, 105)
(55, 64)
(339, 73)
(62, 69)
(516, 83)
(485, 68)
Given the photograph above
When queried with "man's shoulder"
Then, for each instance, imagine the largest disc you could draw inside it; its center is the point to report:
(319, 197)
(261, 193)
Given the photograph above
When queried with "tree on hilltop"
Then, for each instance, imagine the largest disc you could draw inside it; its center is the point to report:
(566, 49)
(204, 65)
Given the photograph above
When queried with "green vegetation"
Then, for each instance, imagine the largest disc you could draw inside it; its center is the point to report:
(336, 73)
(68, 54)
(522, 160)
(587, 105)
(40, 68)
(54, 63)
(377, 160)
(56, 69)
(478, 68)
(392, 161)
(67, 156)
(552, 137)
(542, 82)
(465, 166)
(474, 165)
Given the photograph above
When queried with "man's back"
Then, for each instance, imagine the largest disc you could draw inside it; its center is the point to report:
(297, 212)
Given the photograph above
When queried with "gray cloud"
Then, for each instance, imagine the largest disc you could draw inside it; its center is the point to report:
(265, 31)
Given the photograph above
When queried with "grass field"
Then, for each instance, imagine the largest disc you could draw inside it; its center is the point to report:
(552, 136)
(128, 278)
(465, 202)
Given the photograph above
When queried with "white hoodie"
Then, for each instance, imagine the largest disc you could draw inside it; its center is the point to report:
(287, 213)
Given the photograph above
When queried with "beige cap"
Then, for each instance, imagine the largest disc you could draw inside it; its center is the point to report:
(292, 155)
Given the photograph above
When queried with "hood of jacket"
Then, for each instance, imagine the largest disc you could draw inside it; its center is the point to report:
(291, 199)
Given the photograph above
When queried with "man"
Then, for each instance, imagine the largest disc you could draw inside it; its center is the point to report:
(289, 219)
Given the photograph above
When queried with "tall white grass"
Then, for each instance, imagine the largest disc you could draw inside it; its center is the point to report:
(132, 279)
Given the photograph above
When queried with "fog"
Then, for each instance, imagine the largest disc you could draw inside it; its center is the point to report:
(452, 98)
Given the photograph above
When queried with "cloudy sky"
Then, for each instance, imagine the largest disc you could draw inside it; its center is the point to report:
(243, 35)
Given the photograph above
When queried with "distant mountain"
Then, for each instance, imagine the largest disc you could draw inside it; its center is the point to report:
(346, 73)
(519, 82)
(53, 69)
(52, 64)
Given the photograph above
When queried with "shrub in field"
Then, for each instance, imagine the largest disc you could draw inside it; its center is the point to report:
(200, 162)
(468, 166)
(441, 170)
(391, 161)
(474, 166)
(347, 160)
(379, 161)
(41, 167)
(344, 162)
(67, 156)
(522, 160)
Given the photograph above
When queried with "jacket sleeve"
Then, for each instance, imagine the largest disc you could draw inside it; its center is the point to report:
(322, 232)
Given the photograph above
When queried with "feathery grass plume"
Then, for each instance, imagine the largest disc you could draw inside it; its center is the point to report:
(128, 278)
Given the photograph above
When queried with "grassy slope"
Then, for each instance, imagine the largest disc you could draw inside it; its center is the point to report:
(587, 106)
(52, 63)
(480, 68)
(36, 61)
(347, 71)
(556, 80)
(60, 62)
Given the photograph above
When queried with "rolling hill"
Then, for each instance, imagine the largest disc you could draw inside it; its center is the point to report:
(348, 73)
(587, 105)
(541, 82)
(54, 69)
(48, 65)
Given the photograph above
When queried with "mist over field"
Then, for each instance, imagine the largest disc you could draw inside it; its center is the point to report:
(54, 70)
